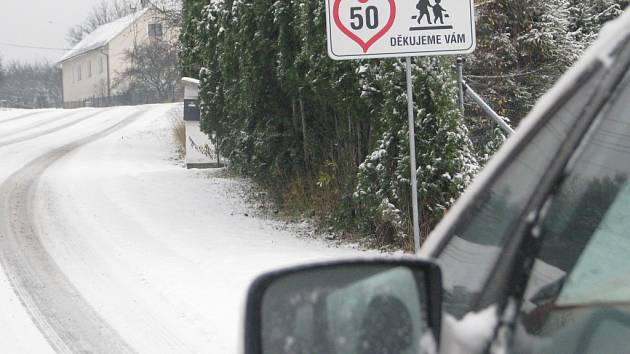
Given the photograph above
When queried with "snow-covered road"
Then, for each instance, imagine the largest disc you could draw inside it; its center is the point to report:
(108, 245)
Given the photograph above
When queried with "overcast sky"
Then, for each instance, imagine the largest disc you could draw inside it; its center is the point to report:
(38, 23)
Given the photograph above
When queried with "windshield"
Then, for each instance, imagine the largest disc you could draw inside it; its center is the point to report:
(579, 286)
(476, 242)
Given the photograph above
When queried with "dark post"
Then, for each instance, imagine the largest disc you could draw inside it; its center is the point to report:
(460, 83)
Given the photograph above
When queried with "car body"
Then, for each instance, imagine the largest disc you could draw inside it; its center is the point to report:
(541, 231)
(535, 256)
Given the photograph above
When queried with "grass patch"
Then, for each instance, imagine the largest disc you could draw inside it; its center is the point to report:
(178, 132)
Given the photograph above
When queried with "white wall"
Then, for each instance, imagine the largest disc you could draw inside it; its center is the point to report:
(136, 34)
(88, 84)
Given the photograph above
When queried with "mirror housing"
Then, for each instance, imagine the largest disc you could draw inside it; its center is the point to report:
(345, 307)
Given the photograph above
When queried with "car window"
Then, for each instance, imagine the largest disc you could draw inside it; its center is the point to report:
(604, 264)
(476, 243)
(578, 296)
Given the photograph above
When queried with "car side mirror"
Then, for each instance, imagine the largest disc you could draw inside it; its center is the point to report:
(361, 307)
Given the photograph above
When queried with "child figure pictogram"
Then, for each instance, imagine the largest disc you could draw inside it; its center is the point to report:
(439, 12)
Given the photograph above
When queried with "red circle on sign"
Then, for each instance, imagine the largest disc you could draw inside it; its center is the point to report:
(365, 45)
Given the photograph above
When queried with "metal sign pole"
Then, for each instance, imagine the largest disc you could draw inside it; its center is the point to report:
(412, 159)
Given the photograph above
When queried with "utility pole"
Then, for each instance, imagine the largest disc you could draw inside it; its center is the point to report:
(464, 89)
(486, 108)
(460, 82)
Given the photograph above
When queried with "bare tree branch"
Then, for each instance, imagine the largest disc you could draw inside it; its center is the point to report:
(102, 13)
(154, 72)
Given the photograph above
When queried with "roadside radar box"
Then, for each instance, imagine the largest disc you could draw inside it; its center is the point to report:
(363, 29)
(192, 112)
(200, 152)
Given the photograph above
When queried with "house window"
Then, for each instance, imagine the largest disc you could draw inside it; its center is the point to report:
(155, 30)
(100, 65)
(89, 68)
(78, 72)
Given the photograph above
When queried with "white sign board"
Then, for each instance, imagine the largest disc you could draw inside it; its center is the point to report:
(363, 29)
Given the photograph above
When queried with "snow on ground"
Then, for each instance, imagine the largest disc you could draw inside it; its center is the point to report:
(19, 334)
(163, 254)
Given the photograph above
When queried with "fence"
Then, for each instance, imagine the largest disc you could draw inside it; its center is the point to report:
(117, 100)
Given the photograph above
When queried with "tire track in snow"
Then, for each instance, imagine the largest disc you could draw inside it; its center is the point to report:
(53, 118)
(21, 116)
(67, 321)
(50, 130)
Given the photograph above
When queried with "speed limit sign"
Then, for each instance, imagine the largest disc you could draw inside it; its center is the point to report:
(360, 29)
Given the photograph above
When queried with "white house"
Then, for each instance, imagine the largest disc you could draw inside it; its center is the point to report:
(92, 66)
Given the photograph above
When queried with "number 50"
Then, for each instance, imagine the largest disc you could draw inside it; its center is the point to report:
(371, 17)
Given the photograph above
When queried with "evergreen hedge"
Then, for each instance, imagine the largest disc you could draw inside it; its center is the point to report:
(331, 137)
